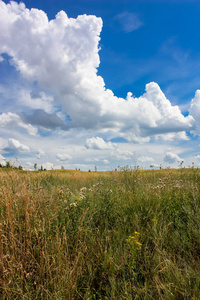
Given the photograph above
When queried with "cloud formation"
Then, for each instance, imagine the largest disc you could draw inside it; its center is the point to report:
(63, 156)
(98, 143)
(16, 146)
(37, 100)
(172, 158)
(40, 154)
(129, 21)
(61, 55)
(2, 160)
(144, 159)
(13, 120)
(45, 120)
(195, 111)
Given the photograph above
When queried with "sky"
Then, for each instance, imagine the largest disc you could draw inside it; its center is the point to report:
(100, 84)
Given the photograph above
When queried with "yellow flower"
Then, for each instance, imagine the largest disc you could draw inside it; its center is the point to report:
(138, 243)
(155, 221)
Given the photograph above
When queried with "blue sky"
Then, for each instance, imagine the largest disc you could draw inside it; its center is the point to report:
(103, 83)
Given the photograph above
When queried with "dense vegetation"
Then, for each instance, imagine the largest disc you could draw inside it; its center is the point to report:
(89, 235)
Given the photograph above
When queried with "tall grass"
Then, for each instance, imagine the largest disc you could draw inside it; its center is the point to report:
(115, 235)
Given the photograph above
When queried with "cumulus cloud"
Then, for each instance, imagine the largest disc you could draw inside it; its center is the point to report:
(37, 100)
(12, 120)
(16, 146)
(98, 143)
(195, 111)
(172, 158)
(61, 55)
(63, 157)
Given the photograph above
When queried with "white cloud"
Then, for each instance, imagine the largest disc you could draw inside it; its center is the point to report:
(2, 160)
(195, 111)
(144, 159)
(37, 100)
(48, 166)
(120, 154)
(40, 153)
(172, 158)
(105, 161)
(63, 157)
(16, 146)
(98, 144)
(12, 120)
(92, 160)
(129, 21)
(61, 55)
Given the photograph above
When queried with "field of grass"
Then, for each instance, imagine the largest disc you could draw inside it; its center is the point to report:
(89, 235)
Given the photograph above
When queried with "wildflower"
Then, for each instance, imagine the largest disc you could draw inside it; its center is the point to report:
(73, 204)
(138, 243)
(83, 189)
(79, 199)
(134, 239)
(155, 221)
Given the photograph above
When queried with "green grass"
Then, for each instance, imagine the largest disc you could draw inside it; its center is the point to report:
(113, 235)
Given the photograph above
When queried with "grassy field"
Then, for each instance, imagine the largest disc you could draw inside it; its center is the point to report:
(89, 235)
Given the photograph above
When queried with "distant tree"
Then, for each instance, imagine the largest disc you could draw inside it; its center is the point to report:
(95, 168)
(35, 167)
(62, 168)
(8, 164)
(20, 167)
(41, 168)
(89, 170)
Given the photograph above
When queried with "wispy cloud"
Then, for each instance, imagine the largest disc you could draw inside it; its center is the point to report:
(129, 21)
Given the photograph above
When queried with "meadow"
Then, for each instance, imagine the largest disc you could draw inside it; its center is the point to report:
(126, 234)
